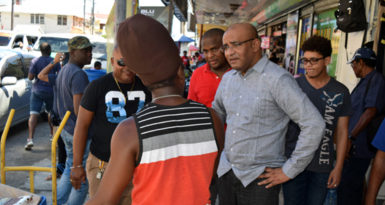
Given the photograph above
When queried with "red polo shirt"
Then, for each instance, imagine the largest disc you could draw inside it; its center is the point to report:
(203, 85)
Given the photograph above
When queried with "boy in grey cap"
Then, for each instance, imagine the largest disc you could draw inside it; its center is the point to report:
(70, 84)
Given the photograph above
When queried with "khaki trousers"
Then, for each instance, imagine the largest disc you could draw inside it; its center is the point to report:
(92, 168)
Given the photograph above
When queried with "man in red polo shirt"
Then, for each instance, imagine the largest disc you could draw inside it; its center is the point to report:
(205, 79)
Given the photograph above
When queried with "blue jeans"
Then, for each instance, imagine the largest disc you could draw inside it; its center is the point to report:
(38, 99)
(232, 192)
(306, 188)
(350, 190)
(66, 193)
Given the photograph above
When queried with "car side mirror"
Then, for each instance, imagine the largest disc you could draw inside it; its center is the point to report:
(9, 80)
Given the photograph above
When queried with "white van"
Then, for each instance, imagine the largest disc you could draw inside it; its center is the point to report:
(13, 40)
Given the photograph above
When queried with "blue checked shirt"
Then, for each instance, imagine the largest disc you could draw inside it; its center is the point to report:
(257, 107)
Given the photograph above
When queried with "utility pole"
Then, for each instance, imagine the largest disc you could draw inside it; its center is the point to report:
(12, 14)
(93, 17)
(170, 15)
(84, 17)
(121, 6)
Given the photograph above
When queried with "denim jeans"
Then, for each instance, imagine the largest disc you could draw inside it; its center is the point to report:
(232, 192)
(350, 190)
(306, 188)
(66, 194)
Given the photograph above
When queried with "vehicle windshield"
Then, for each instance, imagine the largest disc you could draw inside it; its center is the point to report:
(4, 40)
(57, 44)
(99, 49)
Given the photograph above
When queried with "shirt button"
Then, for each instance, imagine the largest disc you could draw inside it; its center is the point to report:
(217, 77)
(240, 96)
(232, 165)
(231, 149)
(237, 114)
(234, 131)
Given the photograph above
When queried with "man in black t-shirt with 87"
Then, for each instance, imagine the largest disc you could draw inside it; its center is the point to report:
(332, 99)
(106, 102)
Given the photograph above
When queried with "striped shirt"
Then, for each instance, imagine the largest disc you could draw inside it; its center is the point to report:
(177, 154)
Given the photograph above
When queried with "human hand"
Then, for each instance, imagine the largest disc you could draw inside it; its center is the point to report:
(58, 57)
(78, 175)
(272, 177)
(334, 178)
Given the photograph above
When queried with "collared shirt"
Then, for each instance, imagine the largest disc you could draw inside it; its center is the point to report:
(203, 85)
(374, 98)
(257, 107)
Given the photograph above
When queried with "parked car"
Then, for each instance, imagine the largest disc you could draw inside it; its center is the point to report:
(15, 88)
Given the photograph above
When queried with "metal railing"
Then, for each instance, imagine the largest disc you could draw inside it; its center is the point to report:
(33, 169)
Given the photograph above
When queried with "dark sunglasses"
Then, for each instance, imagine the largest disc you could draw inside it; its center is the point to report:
(121, 62)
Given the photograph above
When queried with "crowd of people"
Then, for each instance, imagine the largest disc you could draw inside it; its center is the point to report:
(247, 128)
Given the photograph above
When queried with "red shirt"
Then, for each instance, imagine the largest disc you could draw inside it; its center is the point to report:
(203, 85)
(185, 60)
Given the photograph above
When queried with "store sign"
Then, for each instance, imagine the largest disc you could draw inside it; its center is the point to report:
(276, 7)
(158, 13)
(265, 44)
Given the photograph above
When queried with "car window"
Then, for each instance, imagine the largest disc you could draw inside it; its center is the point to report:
(4, 40)
(18, 38)
(14, 67)
(99, 48)
(31, 40)
(57, 44)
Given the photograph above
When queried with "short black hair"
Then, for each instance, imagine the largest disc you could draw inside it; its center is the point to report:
(45, 49)
(318, 44)
(212, 33)
(97, 64)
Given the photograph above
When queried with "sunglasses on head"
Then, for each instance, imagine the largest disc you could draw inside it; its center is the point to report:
(121, 62)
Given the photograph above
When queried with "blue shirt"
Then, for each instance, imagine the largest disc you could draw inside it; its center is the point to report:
(37, 65)
(374, 99)
(71, 80)
(94, 74)
(379, 139)
(257, 107)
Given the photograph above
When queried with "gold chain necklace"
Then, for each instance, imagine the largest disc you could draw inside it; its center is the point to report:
(117, 84)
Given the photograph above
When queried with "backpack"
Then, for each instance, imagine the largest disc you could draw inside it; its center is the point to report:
(351, 16)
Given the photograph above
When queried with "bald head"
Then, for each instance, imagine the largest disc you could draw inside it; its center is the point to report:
(246, 28)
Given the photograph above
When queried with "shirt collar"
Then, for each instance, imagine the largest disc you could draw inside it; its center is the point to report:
(258, 67)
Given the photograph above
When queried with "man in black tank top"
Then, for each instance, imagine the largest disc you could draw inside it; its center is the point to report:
(177, 119)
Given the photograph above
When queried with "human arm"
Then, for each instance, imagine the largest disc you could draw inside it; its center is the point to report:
(76, 102)
(124, 152)
(83, 122)
(220, 135)
(377, 176)
(191, 90)
(364, 120)
(287, 95)
(341, 135)
(43, 75)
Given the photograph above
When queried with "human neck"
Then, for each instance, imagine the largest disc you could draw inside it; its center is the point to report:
(366, 71)
(81, 65)
(123, 81)
(167, 96)
(319, 81)
(220, 70)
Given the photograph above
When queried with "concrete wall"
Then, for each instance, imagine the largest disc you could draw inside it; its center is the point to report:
(49, 26)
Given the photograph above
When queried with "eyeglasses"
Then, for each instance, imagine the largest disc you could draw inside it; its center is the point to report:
(234, 45)
(312, 61)
(121, 62)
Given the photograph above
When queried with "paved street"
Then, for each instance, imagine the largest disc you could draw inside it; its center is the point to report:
(16, 155)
